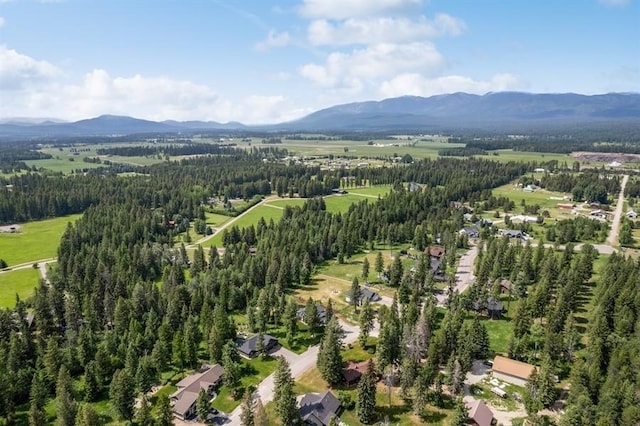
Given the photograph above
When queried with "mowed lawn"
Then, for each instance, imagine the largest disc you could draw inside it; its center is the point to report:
(547, 200)
(35, 241)
(20, 282)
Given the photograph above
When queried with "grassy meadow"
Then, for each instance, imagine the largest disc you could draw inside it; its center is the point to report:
(35, 241)
(20, 282)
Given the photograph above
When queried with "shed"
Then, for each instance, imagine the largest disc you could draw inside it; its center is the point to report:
(480, 414)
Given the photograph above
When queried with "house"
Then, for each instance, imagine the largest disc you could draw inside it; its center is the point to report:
(318, 409)
(353, 372)
(631, 214)
(505, 286)
(184, 399)
(249, 348)
(470, 232)
(322, 314)
(512, 371)
(339, 191)
(436, 251)
(514, 233)
(365, 294)
(539, 170)
(413, 187)
(493, 307)
(479, 413)
(468, 217)
(436, 268)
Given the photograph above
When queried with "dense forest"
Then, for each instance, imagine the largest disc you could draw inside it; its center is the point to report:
(124, 303)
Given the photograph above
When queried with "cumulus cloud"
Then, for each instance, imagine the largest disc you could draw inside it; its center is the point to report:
(18, 71)
(274, 39)
(382, 29)
(419, 85)
(351, 70)
(343, 9)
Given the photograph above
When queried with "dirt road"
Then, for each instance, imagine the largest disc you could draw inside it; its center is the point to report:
(615, 225)
(464, 275)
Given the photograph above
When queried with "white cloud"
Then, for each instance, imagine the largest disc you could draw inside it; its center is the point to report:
(274, 39)
(419, 85)
(615, 2)
(384, 60)
(2, 22)
(343, 9)
(381, 30)
(18, 71)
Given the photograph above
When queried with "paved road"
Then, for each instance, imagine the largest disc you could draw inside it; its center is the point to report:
(615, 225)
(299, 364)
(464, 275)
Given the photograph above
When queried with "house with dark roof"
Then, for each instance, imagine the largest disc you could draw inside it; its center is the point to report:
(470, 232)
(479, 413)
(493, 306)
(353, 372)
(184, 399)
(318, 409)
(512, 371)
(365, 294)
(322, 314)
(514, 233)
(249, 348)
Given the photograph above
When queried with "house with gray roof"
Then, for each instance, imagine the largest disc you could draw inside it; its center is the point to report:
(318, 409)
(249, 347)
(184, 399)
(365, 294)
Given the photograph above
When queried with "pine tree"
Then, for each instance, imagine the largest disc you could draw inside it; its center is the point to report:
(366, 404)
(355, 293)
(231, 365)
(260, 415)
(379, 266)
(165, 412)
(329, 355)
(122, 392)
(365, 269)
(532, 397)
(37, 397)
(143, 414)
(460, 414)
(291, 321)
(246, 416)
(87, 416)
(311, 316)
(92, 385)
(202, 405)
(283, 396)
(395, 273)
(366, 323)
(65, 405)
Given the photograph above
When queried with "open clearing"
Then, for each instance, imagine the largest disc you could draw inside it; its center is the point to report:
(21, 282)
(35, 241)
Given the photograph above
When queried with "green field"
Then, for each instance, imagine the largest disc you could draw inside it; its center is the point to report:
(35, 241)
(21, 282)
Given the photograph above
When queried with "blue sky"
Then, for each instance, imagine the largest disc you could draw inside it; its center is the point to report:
(271, 61)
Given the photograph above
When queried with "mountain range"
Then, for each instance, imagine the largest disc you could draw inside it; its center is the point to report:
(501, 111)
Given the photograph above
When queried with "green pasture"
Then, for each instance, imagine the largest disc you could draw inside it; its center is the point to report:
(20, 282)
(63, 164)
(36, 240)
(541, 197)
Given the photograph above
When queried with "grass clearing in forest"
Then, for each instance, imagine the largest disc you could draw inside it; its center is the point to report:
(21, 282)
(35, 240)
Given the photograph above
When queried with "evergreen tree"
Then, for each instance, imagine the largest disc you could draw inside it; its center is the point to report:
(365, 269)
(165, 412)
(232, 367)
(283, 396)
(366, 403)
(92, 382)
(532, 395)
(260, 415)
(395, 272)
(37, 397)
(330, 355)
(460, 414)
(379, 266)
(246, 416)
(355, 293)
(366, 320)
(291, 321)
(122, 392)
(143, 414)
(65, 404)
(87, 416)
(311, 316)
(202, 405)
